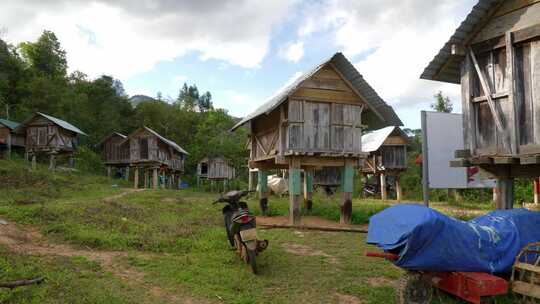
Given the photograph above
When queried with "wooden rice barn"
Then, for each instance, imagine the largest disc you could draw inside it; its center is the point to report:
(315, 122)
(387, 150)
(215, 169)
(494, 55)
(10, 140)
(114, 152)
(49, 136)
(154, 154)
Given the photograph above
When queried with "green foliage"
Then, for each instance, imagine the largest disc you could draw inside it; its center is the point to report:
(46, 56)
(442, 103)
(89, 161)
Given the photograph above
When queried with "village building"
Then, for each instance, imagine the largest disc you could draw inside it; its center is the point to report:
(315, 122)
(50, 137)
(114, 152)
(9, 140)
(215, 169)
(154, 155)
(494, 56)
(387, 159)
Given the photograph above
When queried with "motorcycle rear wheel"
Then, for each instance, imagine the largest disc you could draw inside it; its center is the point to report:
(230, 236)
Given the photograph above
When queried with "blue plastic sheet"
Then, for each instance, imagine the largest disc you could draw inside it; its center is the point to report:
(428, 240)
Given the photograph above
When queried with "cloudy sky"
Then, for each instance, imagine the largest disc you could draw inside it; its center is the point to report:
(243, 51)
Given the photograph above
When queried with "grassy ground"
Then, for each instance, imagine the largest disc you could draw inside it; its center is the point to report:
(175, 240)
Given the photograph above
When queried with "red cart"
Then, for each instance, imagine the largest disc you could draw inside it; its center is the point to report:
(417, 286)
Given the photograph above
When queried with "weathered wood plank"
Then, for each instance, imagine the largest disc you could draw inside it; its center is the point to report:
(528, 160)
(535, 88)
(329, 95)
(466, 153)
(459, 163)
(505, 160)
(512, 119)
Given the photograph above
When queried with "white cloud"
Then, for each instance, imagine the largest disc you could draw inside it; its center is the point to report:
(395, 40)
(124, 38)
(179, 79)
(293, 51)
(237, 103)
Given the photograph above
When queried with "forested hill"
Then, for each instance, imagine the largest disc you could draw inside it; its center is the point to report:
(34, 77)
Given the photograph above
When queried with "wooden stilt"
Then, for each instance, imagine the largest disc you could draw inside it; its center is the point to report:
(495, 197)
(126, 176)
(109, 171)
(398, 189)
(384, 195)
(505, 193)
(34, 161)
(536, 189)
(135, 177)
(295, 192)
(155, 178)
(71, 162)
(263, 191)
(347, 182)
(250, 180)
(308, 190)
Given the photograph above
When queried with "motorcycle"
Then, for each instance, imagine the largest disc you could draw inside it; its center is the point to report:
(240, 226)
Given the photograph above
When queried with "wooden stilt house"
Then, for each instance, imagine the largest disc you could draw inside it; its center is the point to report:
(114, 152)
(50, 136)
(387, 148)
(10, 140)
(494, 55)
(154, 154)
(313, 123)
(215, 169)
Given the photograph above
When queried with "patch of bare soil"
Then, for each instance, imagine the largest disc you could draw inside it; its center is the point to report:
(380, 281)
(177, 200)
(304, 250)
(32, 242)
(115, 197)
(347, 299)
(308, 221)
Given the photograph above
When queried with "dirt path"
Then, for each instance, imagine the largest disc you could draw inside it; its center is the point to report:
(308, 222)
(30, 241)
(113, 198)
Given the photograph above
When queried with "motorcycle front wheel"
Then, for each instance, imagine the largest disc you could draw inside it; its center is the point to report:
(252, 260)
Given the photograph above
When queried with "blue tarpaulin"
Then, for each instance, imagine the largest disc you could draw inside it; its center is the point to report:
(428, 240)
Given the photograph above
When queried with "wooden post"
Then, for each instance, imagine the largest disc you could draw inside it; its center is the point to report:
(126, 176)
(145, 178)
(8, 156)
(135, 177)
(295, 192)
(384, 195)
(536, 189)
(250, 180)
(109, 171)
(495, 197)
(34, 161)
(308, 190)
(71, 161)
(52, 162)
(505, 193)
(263, 191)
(155, 178)
(398, 189)
(347, 181)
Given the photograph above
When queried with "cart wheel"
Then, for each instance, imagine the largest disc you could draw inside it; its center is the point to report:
(412, 289)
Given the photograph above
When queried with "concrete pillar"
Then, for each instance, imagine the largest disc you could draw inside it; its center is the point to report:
(263, 191)
(295, 192)
(347, 182)
(135, 177)
(536, 189)
(34, 161)
(398, 189)
(52, 162)
(308, 190)
(505, 193)
(155, 178)
(384, 195)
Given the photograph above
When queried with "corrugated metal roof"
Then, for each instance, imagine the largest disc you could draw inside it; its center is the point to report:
(445, 67)
(63, 124)
(383, 114)
(109, 136)
(167, 141)
(8, 123)
(373, 140)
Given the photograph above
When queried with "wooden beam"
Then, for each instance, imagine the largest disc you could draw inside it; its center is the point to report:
(481, 160)
(459, 163)
(457, 50)
(504, 160)
(529, 160)
(466, 153)
(513, 123)
(493, 96)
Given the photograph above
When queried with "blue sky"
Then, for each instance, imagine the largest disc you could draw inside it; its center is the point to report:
(243, 51)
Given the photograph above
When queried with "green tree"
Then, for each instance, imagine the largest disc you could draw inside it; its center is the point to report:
(442, 103)
(13, 78)
(45, 55)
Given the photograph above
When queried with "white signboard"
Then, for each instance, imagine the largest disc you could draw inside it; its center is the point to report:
(443, 134)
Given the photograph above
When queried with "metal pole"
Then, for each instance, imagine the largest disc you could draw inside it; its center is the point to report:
(425, 171)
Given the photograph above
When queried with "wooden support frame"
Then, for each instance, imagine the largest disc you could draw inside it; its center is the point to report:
(294, 192)
(263, 191)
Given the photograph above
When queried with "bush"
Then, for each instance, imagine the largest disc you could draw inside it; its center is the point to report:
(89, 161)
